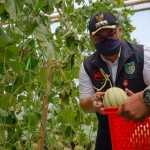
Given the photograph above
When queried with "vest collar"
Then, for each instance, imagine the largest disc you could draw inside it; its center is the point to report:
(126, 53)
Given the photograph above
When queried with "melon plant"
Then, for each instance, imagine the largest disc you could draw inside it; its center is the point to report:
(114, 97)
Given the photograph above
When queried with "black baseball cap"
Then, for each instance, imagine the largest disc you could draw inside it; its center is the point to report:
(102, 20)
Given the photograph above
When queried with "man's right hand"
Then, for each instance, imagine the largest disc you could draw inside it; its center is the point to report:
(98, 105)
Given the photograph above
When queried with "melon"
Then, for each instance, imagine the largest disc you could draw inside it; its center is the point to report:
(114, 97)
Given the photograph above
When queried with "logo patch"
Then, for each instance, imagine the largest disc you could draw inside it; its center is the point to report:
(129, 67)
(99, 17)
(100, 21)
(98, 75)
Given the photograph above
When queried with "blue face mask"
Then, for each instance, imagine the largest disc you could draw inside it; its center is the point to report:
(108, 47)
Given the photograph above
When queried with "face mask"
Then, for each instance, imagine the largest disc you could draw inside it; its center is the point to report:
(108, 47)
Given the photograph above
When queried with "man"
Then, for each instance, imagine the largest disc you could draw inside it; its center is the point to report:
(114, 63)
(137, 107)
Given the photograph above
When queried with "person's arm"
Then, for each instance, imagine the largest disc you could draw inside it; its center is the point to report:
(135, 108)
(87, 94)
(91, 106)
(146, 68)
(87, 105)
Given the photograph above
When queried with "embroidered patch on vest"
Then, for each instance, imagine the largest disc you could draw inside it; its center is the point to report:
(129, 67)
(98, 75)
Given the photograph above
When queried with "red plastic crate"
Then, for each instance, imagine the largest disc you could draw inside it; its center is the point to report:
(128, 135)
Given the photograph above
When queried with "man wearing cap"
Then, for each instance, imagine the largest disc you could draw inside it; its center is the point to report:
(114, 63)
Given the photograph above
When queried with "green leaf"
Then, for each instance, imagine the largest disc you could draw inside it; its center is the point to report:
(16, 34)
(18, 131)
(18, 145)
(49, 51)
(4, 36)
(67, 59)
(82, 138)
(2, 1)
(58, 3)
(69, 132)
(100, 6)
(48, 9)
(2, 8)
(12, 101)
(14, 7)
(68, 34)
(87, 119)
(78, 119)
(4, 101)
(42, 75)
(40, 33)
(78, 1)
(121, 20)
(71, 43)
(64, 97)
(3, 113)
(7, 100)
(9, 145)
(132, 28)
(1, 67)
(60, 31)
(5, 54)
(39, 4)
(33, 118)
(67, 116)
(62, 93)
(13, 49)
(3, 42)
(35, 136)
(32, 24)
(68, 88)
(11, 120)
(19, 82)
(4, 16)
(34, 61)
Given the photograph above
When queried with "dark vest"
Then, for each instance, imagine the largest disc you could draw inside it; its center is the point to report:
(130, 68)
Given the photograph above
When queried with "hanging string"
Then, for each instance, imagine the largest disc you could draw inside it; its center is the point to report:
(106, 76)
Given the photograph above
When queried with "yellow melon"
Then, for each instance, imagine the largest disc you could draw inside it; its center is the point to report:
(114, 97)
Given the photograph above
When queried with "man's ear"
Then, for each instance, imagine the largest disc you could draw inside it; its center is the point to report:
(91, 38)
(120, 30)
(120, 34)
(92, 41)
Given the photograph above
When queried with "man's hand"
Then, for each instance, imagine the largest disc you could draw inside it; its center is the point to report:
(129, 92)
(134, 108)
(98, 105)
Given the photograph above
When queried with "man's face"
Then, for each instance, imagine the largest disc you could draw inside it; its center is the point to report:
(107, 34)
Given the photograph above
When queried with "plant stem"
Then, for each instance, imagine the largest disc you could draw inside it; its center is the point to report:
(45, 111)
